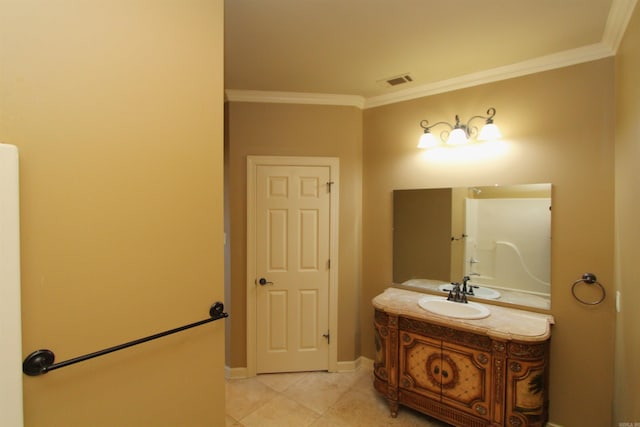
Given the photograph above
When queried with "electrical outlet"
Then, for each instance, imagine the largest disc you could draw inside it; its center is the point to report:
(618, 302)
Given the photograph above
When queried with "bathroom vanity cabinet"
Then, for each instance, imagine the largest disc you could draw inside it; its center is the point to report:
(484, 372)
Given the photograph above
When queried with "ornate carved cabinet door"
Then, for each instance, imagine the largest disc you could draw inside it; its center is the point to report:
(467, 385)
(452, 374)
(527, 382)
(422, 368)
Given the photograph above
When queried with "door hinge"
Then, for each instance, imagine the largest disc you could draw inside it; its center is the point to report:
(328, 337)
(328, 264)
(329, 184)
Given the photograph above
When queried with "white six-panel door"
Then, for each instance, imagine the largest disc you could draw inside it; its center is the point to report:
(291, 224)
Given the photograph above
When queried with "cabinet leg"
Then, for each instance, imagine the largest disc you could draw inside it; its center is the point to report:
(393, 407)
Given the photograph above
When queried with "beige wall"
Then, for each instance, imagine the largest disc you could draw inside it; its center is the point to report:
(627, 391)
(116, 108)
(559, 129)
(297, 130)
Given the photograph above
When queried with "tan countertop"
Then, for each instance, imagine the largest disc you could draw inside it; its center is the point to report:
(506, 295)
(503, 322)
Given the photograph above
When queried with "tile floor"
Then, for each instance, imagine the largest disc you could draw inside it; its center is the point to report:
(314, 399)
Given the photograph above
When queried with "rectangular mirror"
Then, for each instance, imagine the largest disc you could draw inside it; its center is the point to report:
(498, 236)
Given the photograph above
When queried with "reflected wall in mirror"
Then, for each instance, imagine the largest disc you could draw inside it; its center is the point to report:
(499, 236)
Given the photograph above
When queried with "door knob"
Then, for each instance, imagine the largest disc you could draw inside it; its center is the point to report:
(262, 281)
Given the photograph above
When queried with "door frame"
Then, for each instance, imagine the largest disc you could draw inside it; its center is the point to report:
(11, 404)
(334, 171)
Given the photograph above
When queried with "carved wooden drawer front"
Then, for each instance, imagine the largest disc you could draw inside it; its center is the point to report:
(467, 378)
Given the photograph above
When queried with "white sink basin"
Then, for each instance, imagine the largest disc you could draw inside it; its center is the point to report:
(480, 292)
(458, 310)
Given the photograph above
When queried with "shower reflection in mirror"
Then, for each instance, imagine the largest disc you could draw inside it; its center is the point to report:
(499, 236)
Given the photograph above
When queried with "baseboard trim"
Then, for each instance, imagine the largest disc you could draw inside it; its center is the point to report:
(235, 373)
(355, 364)
(348, 366)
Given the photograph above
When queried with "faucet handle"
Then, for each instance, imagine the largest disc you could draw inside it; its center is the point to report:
(456, 292)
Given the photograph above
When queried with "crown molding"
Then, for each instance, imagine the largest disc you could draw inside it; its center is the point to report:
(536, 65)
(617, 21)
(234, 95)
(545, 63)
(557, 60)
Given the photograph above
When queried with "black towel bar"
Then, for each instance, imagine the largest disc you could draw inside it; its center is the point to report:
(41, 361)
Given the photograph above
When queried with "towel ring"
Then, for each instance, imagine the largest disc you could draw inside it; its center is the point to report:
(589, 279)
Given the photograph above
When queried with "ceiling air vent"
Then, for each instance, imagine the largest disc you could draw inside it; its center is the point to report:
(396, 80)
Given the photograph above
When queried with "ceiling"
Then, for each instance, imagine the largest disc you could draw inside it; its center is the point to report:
(352, 47)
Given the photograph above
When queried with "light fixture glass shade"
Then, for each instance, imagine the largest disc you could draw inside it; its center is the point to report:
(457, 137)
(489, 132)
(427, 140)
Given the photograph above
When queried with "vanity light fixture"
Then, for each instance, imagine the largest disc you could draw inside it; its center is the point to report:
(460, 134)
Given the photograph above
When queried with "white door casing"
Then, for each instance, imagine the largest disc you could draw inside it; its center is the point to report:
(10, 312)
(292, 229)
